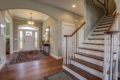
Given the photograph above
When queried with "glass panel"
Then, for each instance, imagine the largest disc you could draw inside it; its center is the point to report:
(28, 28)
(36, 41)
(21, 39)
(28, 33)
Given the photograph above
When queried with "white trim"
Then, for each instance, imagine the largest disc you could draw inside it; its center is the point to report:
(56, 57)
(2, 64)
(66, 23)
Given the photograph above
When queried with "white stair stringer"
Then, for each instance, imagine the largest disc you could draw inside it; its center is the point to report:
(91, 60)
(88, 69)
(74, 73)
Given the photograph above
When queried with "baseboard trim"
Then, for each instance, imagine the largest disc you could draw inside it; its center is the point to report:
(2, 64)
(56, 57)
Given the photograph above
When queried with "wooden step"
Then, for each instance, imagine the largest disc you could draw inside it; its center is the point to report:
(94, 44)
(91, 49)
(83, 73)
(96, 39)
(104, 24)
(97, 34)
(91, 56)
(88, 64)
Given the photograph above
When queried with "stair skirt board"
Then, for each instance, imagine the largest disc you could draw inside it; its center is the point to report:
(88, 69)
(91, 60)
(74, 73)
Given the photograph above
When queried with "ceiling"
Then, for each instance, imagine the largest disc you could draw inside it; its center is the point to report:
(67, 5)
(25, 14)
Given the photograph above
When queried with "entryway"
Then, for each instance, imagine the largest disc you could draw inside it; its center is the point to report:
(28, 38)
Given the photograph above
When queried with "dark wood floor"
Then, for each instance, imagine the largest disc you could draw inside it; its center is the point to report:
(35, 70)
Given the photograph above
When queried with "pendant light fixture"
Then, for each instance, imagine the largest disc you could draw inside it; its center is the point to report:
(31, 22)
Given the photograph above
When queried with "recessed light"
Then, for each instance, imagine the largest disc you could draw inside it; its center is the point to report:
(73, 5)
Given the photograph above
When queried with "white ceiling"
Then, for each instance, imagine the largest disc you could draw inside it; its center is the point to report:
(25, 14)
(67, 5)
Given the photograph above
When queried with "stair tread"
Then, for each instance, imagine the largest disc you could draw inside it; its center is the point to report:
(83, 73)
(92, 49)
(88, 64)
(94, 43)
(91, 56)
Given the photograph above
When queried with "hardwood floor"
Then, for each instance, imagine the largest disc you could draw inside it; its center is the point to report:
(35, 70)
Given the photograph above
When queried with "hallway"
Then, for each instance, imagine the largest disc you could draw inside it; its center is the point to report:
(34, 70)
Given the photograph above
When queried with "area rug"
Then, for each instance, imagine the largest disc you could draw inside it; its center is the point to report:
(26, 56)
(59, 76)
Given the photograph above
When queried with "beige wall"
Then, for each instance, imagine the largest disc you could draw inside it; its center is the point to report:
(16, 24)
(53, 24)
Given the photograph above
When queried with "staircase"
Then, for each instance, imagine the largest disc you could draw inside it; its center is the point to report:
(87, 61)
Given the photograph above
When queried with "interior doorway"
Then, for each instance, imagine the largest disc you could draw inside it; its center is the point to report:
(28, 38)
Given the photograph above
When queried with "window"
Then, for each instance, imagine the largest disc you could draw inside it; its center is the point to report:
(36, 39)
(28, 33)
(21, 39)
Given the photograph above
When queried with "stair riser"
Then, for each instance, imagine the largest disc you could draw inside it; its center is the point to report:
(98, 33)
(107, 18)
(95, 41)
(91, 60)
(74, 73)
(107, 21)
(97, 36)
(88, 69)
(100, 54)
(100, 47)
(104, 25)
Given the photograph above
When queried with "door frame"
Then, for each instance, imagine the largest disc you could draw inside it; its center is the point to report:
(37, 30)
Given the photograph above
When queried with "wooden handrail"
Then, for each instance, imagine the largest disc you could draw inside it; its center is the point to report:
(115, 19)
(114, 13)
(75, 30)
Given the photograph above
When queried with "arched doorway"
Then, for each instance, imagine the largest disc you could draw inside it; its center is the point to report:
(28, 38)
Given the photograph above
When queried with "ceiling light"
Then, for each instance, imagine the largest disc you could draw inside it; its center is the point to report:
(31, 22)
(73, 5)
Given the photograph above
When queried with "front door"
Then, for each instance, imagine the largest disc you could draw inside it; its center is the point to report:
(28, 40)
